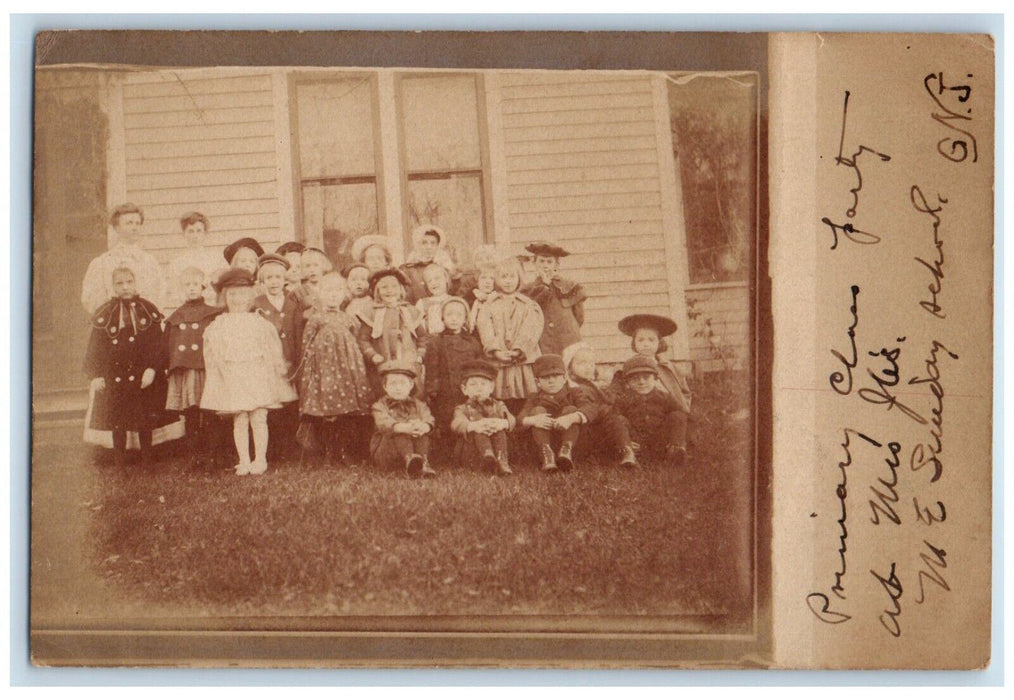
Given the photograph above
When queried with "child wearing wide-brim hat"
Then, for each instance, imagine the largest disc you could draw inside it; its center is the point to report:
(482, 422)
(562, 300)
(402, 423)
(648, 333)
(658, 423)
(391, 328)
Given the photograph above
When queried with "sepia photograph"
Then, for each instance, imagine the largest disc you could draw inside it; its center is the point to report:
(397, 365)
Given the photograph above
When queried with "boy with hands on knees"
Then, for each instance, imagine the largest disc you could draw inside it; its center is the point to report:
(554, 414)
(482, 422)
(403, 423)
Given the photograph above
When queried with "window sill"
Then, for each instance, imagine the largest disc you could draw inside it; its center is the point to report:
(705, 286)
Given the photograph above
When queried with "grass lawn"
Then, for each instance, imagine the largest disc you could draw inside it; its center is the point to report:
(347, 540)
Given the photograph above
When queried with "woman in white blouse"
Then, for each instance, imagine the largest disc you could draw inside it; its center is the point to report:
(126, 251)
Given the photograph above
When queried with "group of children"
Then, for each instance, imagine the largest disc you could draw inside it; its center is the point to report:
(398, 364)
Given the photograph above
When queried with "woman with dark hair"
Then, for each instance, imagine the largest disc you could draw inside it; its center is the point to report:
(125, 251)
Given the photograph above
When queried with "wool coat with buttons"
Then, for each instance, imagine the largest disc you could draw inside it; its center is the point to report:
(126, 340)
(562, 303)
(184, 334)
(657, 420)
(288, 322)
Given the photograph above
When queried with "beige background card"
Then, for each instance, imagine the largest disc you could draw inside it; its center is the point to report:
(881, 260)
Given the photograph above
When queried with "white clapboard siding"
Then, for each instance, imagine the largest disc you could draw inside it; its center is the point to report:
(720, 326)
(205, 141)
(583, 170)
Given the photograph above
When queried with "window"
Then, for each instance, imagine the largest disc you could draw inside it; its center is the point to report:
(434, 142)
(337, 155)
(441, 127)
(714, 126)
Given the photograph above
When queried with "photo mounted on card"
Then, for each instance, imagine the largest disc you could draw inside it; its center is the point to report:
(461, 349)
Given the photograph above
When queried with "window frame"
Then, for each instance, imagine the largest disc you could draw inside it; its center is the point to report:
(483, 171)
(300, 78)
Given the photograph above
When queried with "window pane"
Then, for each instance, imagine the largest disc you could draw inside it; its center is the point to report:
(336, 215)
(455, 205)
(335, 128)
(441, 123)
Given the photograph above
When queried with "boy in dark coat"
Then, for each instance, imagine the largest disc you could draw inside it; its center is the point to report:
(126, 360)
(554, 413)
(611, 428)
(446, 355)
(184, 341)
(482, 422)
(561, 299)
(285, 314)
(658, 424)
(402, 423)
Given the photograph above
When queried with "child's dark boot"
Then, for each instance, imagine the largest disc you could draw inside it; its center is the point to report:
(503, 466)
(548, 459)
(564, 459)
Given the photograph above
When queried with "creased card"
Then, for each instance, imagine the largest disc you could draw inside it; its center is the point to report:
(881, 260)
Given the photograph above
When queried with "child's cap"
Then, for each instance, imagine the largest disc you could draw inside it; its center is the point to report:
(428, 229)
(639, 364)
(230, 250)
(349, 268)
(548, 366)
(573, 349)
(360, 245)
(479, 368)
(272, 259)
(397, 367)
(234, 277)
(546, 249)
(290, 247)
(387, 272)
(663, 325)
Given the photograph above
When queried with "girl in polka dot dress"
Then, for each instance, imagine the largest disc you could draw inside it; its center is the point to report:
(333, 387)
(184, 339)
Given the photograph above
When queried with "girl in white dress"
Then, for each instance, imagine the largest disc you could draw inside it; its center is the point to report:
(245, 369)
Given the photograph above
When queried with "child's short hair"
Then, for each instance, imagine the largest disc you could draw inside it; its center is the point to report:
(194, 217)
(123, 209)
(572, 350)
